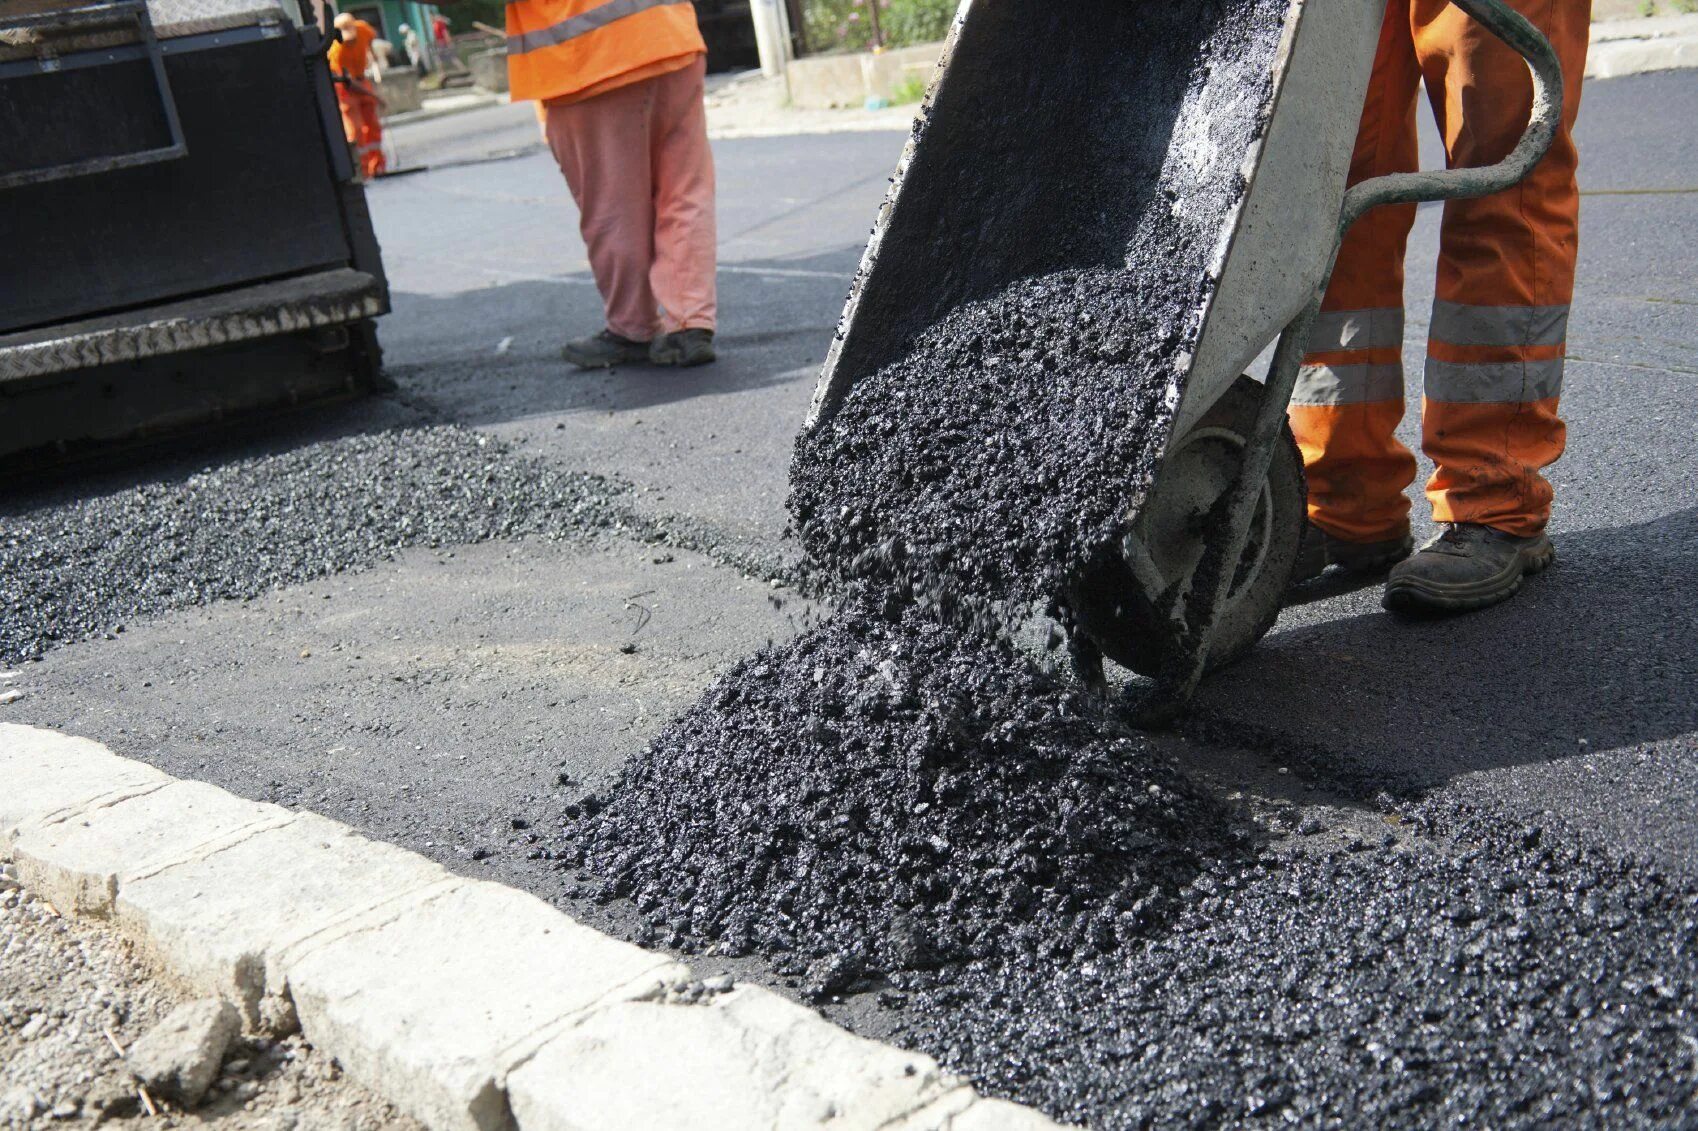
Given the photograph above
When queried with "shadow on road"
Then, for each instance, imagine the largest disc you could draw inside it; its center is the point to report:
(492, 356)
(1600, 649)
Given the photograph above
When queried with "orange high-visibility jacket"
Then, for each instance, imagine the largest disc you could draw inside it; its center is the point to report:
(352, 56)
(579, 48)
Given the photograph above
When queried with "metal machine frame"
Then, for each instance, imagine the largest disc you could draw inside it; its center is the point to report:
(96, 14)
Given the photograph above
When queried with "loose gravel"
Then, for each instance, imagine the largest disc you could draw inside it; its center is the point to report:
(78, 569)
(1458, 977)
(884, 796)
(1000, 457)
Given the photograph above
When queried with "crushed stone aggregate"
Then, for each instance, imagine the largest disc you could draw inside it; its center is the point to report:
(1462, 977)
(80, 569)
(882, 796)
(999, 458)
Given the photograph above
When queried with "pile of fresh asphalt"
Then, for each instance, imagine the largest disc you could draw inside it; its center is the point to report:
(885, 795)
(894, 803)
(1458, 974)
(76, 568)
(998, 458)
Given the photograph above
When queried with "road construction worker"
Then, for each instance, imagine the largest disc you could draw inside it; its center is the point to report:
(619, 86)
(350, 65)
(1495, 344)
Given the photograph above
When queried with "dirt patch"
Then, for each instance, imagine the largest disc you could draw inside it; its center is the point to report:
(72, 994)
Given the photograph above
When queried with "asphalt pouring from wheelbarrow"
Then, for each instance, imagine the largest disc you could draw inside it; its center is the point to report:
(896, 805)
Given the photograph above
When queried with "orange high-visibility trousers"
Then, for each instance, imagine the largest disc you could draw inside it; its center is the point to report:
(639, 167)
(363, 127)
(1505, 279)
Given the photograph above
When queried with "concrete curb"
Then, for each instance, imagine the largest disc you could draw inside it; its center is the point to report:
(1633, 47)
(470, 1005)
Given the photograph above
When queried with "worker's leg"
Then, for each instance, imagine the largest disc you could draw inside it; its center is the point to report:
(348, 103)
(601, 145)
(686, 239)
(1349, 396)
(369, 143)
(1506, 273)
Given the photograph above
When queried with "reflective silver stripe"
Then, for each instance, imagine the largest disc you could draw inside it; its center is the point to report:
(1379, 328)
(581, 24)
(1348, 384)
(1493, 382)
(1460, 325)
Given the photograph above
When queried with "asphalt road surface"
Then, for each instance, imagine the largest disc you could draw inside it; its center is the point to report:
(451, 697)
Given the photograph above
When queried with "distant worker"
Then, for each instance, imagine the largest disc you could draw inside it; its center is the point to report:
(442, 38)
(619, 87)
(410, 44)
(350, 65)
(1496, 343)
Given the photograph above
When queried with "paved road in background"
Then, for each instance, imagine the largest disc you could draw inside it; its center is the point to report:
(449, 698)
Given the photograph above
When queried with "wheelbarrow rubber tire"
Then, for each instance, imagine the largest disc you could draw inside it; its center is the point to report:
(1111, 608)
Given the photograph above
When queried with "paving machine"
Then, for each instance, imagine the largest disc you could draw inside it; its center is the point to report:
(1209, 544)
(185, 237)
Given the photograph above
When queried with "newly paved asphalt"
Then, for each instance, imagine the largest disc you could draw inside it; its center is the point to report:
(1580, 697)
(448, 698)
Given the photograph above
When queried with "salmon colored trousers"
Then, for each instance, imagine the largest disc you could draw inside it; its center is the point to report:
(362, 124)
(637, 161)
(1498, 334)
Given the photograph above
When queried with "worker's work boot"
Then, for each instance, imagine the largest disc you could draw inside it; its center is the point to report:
(605, 350)
(1321, 550)
(683, 348)
(1469, 566)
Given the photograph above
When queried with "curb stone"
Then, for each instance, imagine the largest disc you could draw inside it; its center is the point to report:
(469, 1005)
(1632, 47)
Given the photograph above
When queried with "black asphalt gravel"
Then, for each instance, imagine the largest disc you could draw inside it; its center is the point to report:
(884, 795)
(72, 569)
(1461, 975)
(1001, 454)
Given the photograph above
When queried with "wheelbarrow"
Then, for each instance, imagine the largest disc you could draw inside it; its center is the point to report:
(1011, 139)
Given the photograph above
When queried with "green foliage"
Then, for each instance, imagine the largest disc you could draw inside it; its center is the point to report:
(846, 25)
(461, 13)
(911, 90)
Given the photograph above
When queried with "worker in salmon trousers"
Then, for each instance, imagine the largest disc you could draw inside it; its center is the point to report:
(619, 88)
(350, 61)
(1495, 345)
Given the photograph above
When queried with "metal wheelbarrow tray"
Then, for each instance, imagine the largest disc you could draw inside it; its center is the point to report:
(1204, 144)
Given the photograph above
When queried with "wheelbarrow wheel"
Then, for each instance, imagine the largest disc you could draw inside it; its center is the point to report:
(1111, 607)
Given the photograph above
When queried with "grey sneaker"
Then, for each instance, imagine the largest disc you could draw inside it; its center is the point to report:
(1469, 566)
(605, 350)
(1321, 550)
(683, 348)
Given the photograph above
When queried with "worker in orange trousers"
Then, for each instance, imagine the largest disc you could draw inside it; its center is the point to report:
(619, 90)
(1496, 341)
(350, 65)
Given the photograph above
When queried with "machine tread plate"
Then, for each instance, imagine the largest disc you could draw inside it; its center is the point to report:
(302, 302)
